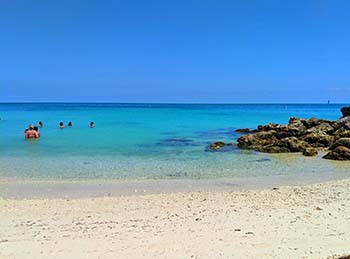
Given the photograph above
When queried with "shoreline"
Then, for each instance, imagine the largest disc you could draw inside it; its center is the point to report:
(284, 222)
(93, 188)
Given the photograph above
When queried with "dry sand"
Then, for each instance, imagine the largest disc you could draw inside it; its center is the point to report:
(289, 222)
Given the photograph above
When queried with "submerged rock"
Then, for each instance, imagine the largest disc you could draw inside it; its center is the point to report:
(216, 145)
(244, 130)
(178, 142)
(221, 146)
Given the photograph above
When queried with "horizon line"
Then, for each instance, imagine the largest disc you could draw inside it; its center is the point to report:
(174, 103)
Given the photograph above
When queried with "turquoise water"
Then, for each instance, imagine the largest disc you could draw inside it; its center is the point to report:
(148, 141)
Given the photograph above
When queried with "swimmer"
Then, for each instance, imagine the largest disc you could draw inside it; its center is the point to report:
(92, 124)
(70, 124)
(40, 124)
(37, 130)
(62, 125)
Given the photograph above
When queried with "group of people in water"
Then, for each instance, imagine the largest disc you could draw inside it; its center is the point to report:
(33, 131)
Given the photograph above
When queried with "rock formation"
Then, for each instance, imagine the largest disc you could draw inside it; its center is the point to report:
(307, 136)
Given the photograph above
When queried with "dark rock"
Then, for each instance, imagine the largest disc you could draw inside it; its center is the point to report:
(283, 134)
(261, 160)
(292, 119)
(292, 144)
(301, 135)
(257, 140)
(339, 153)
(342, 133)
(312, 122)
(273, 149)
(318, 139)
(178, 142)
(341, 123)
(345, 111)
(268, 127)
(297, 128)
(345, 142)
(245, 130)
(216, 145)
(310, 151)
(221, 146)
(323, 127)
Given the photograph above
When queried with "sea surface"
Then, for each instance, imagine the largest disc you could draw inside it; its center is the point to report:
(151, 141)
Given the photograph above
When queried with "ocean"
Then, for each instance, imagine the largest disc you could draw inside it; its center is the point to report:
(151, 141)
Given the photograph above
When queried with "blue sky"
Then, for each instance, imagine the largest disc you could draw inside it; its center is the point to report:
(175, 51)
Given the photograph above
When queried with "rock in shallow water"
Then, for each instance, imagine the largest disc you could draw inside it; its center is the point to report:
(300, 135)
(339, 153)
(310, 151)
(345, 111)
(245, 130)
(221, 146)
(216, 145)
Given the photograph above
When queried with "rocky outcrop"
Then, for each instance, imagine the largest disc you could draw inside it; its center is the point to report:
(345, 111)
(302, 135)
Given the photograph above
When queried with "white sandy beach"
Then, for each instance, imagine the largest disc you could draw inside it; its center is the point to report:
(289, 222)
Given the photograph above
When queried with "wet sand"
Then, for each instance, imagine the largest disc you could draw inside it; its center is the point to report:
(310, 221)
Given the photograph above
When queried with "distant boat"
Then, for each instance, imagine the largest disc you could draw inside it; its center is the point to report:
(329, 102)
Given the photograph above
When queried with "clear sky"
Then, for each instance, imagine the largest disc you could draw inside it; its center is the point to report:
(199, 51)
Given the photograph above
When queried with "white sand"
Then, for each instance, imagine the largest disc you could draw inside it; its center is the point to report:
(291, 222)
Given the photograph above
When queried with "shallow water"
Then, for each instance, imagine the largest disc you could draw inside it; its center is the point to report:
(150, 141)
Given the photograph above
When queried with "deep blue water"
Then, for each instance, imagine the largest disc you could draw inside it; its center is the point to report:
(146, 140)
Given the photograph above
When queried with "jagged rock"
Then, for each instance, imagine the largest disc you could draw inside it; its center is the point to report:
(297, 128)
(343, 133)
(301, 135)
(245, 130)
(343, 122)
(310, 151)
(313, 122)
(339, 153)
(297, 120)
(273, 149)
(257, 140)
(341, 142)
(345, 111)
(268, 127)
(318, 139)
(283, 134)
(292, 144)
(323, 127)
(216, 145)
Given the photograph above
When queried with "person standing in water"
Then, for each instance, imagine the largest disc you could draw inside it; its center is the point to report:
(92, 124)
(30, 133)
